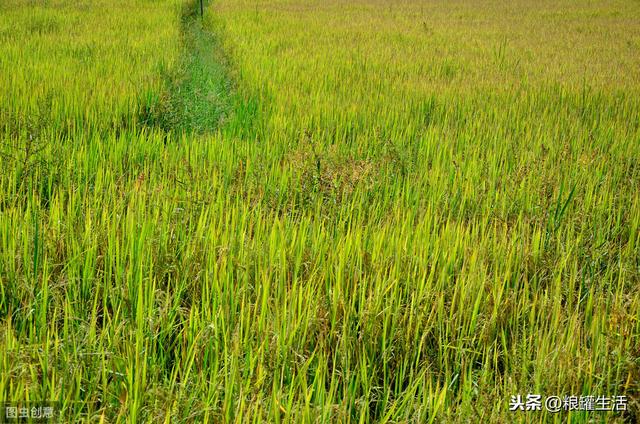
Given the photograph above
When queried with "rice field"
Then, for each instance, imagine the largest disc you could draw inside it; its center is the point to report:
(319, 211)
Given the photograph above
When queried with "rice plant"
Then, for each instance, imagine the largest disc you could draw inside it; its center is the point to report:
(319, 211)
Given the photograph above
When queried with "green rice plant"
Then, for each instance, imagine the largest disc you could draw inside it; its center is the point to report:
(300, 211)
